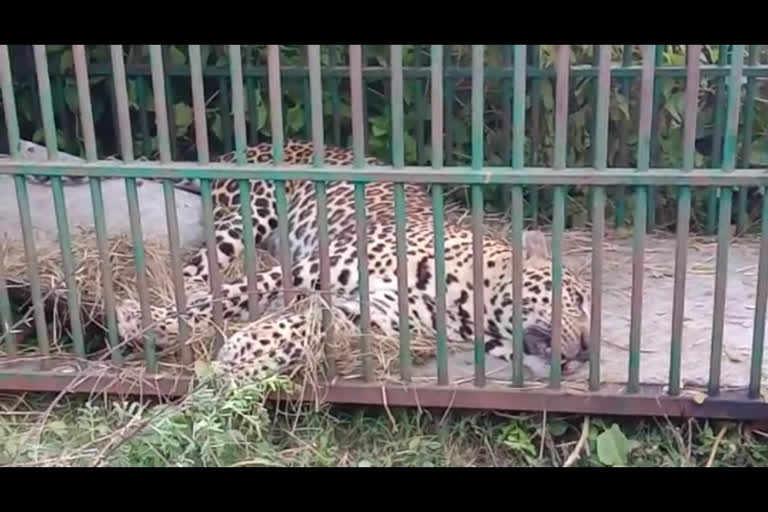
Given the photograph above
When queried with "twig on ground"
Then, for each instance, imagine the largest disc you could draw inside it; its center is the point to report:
(543, 434)
(715, 445)
(576, 453)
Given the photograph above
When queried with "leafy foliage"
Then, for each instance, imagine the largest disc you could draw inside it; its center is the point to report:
(669, 112)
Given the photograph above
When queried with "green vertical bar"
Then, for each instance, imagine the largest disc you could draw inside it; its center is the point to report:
(558, 227)
(558, 207)
(22, 199)
(134, 214)
(60, 107)
(746, 147)
(170, 112)
(141, 99)
(506, 122)
(99, 218)
(641, 212)
(165, 138)
(723, 236)
(596, 49)
(450, 91)
(201, 143)
(307, 101)
(358, 134)
(253, 111)
(12, 128)
(364, 96)
(684, 217)
(438, 217)
(535, 132)
(623, 155)
(224, 109)
(398, 159)
(122, 112)
(655, 139)
(518, 162)
(598, 213)
(110, 85)
(318, 141)
(6, 336)
(402, 280)
(761, 297)
(335, 102)
(244, 188)
(477, 212)
(420, 112)
(398, 149)
(137, 236)
(717, 138)
(126, 149)
(276, 111)
(62, 225)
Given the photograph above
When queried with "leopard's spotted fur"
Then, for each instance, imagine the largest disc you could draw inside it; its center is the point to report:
(275, 346)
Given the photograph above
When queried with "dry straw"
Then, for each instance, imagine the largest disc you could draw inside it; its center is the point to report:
(345, 344)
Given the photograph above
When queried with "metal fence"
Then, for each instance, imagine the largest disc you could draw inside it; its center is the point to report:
(634, 398)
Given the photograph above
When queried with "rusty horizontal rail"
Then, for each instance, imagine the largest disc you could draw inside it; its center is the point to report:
(648, 401)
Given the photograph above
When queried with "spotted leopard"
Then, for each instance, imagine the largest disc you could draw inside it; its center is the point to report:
(274, 346)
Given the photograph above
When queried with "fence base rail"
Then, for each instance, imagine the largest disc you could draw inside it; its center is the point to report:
(73, 376)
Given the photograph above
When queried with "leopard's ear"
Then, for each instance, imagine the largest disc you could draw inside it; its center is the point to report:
(535, 245)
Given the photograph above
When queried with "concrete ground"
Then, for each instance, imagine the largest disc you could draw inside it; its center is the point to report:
(80, 211)
(657, 315)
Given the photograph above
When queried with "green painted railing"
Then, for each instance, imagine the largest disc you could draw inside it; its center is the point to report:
(517, 175)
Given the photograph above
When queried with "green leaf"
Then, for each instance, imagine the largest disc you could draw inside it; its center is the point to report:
(66, 61)
(295, 117)
(557, 428)
(579, 119)
(205, 50)
(70, 96)
(364, 464)
(623, 105)
(58, 427)
(98, 109)
(379, 126)
(613, 447)
(132, 94)
(216, 126)
(176, 57)
(547, 95)
(183, 115)
(262, 110)
(675, 105)
(760, 151)
(411, 148)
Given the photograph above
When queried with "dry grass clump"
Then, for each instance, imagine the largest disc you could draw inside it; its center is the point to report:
(345, 345)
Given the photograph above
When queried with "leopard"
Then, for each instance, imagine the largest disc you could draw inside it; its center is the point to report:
(257, 350)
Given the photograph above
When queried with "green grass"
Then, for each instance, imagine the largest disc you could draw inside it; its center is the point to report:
(221, 426)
